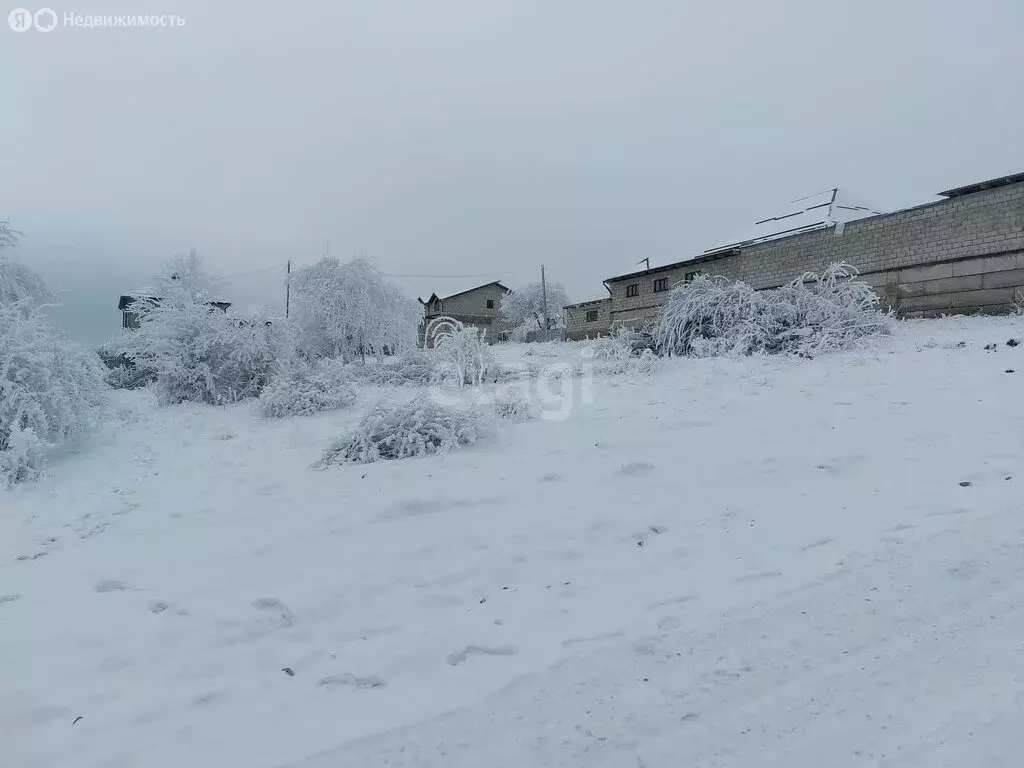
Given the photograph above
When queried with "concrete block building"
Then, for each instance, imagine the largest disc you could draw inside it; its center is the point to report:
(588, 319)
(961, 254)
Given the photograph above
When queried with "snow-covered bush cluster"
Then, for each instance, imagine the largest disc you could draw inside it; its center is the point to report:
(202, 355)
(462, 357)
(307, 389)
(414, 367)
(813, 314)
(121, 373)
(51, 390)
(510, 404)
(417, 428)
(624, 352)
(199, 353)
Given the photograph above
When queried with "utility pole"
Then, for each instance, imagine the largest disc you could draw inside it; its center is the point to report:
(288, 290)
(544, 290)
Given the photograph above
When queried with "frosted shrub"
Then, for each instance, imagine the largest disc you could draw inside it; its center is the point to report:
(510, 404)
(418, 428)
(813, 314)
(127, 376)
(308, 389)
(414, 367)
(624, 352)
(200, 354)
(18, 283)
(51, 390)
(462, 357)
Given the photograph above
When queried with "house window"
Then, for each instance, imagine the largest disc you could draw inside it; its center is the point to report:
(591, 315)
(661, 284)
(632, 290)
(490, 303)
(688, 277)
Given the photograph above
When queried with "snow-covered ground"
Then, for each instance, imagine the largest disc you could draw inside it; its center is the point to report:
(747, 563)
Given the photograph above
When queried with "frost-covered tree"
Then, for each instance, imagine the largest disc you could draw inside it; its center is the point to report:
(525, 306)
(184, 277)
(18, 282)
(51, 390)
(351, 310)
(196, 352)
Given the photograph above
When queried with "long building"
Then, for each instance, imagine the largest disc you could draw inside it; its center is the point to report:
(961, 254)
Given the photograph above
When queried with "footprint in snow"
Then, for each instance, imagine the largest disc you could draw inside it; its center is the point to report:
(350, 680)
(454, 659)
(8, 598)
(759, 576)
(816, 544)
(280, 615)
(635, 468)
(111, 585)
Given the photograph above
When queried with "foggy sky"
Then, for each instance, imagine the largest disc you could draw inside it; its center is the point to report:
(479, 137)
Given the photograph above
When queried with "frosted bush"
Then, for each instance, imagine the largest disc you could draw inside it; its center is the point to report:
(813, 314)
(24, 458)
(414, 367)
(308, 389)
(624, 352)
(200, 354)
(510, 404)
(462, 357)
(51, 390)
(418, 428)
(18, 283)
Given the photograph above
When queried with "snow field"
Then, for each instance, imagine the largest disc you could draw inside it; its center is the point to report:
(728, 563)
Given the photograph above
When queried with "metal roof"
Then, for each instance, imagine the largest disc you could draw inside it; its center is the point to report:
(1002, 181)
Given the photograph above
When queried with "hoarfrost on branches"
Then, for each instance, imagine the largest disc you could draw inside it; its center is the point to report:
(462, 357)
(307, 389)
(8, 236)
(414, 367)
(351, 310)
(51, 390)
(511, 404)
(812, 314)
(18, 282)
(525, 307)
(420, 427)
(198, 353)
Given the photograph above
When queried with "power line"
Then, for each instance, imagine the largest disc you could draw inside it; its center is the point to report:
(438, 277)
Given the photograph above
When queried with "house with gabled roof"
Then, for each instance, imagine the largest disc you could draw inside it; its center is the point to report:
(478, 306)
